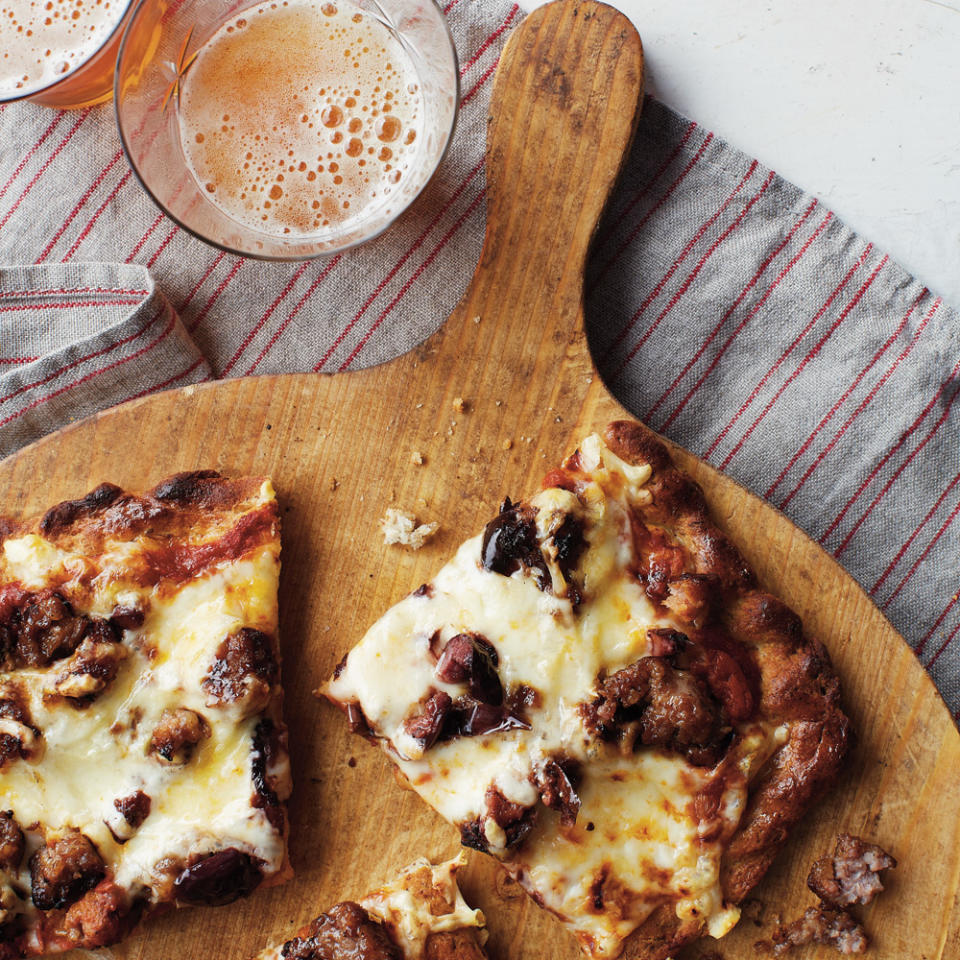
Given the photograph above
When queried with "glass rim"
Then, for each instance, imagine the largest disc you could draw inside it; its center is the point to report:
(127, 7)
(293, 257)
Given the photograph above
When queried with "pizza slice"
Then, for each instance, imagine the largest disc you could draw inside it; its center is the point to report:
(421, 915)
(143, 756)
(596, 692)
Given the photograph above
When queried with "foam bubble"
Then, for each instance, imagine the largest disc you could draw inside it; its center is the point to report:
(41, 40)
(282, 70)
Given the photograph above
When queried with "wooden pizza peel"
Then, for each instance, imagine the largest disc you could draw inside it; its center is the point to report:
(340, 450)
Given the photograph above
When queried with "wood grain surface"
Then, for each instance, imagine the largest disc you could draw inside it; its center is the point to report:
(340, 450)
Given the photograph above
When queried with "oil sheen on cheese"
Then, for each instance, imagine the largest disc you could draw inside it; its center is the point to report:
(635, 826)
(300, 116)
(41, 41)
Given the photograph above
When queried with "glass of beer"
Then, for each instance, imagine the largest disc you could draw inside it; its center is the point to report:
(60, 53)
(286, 129)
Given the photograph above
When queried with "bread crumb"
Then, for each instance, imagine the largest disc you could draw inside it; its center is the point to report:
(476, 319)
(507, 444)
(459, 404)
(416, 458)
(419, 406)
(499, 403)
(402, 528)
(334, 483)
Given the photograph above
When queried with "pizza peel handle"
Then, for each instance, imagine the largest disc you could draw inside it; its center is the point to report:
(564, 109)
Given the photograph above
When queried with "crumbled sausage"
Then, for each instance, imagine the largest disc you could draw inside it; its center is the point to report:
(218, 879)
(426, 725)
(346, 932)
(134, 808)
(852, 874)
(46, 629)
(510, 543)
(471, 658)
(11, 842)
(97, 919)
(63, 871)
(93, 665)
(453, 945)
(244, 669)
(176, 734)
(823, 924)
(555, 779)
(653, 704)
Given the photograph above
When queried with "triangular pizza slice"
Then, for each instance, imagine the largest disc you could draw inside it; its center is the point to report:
(596, 692)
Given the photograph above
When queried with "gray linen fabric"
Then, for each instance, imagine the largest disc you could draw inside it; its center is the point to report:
(726, 307)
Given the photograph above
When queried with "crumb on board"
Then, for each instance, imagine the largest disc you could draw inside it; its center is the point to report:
(402, 528)
(507, 444)
(476, 319)
(416, 458)
(459, 404)
(334, 483)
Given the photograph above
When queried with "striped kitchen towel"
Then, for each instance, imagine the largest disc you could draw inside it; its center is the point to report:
(726, 307)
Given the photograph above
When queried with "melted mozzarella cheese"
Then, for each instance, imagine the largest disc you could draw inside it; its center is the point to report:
(636, 842)
(100, 753)
(404, 907)
(410, 916)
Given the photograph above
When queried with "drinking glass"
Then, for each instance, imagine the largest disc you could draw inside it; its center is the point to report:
(160, 47)
(90, 80)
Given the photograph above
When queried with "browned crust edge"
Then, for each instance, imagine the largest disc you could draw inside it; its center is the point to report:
(799, 689)
(200, 499)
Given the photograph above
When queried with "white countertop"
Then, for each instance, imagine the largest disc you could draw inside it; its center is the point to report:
(856, 101)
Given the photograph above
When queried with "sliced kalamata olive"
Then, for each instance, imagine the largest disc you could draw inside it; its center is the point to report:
(470, 657)
(219, 879)
(484, 718)
(358, 720)
(510, 542)
(426, 726)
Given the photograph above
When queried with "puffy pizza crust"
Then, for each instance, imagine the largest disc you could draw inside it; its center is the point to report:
(799, 689)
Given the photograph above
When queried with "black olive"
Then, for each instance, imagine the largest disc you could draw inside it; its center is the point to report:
(221, 878)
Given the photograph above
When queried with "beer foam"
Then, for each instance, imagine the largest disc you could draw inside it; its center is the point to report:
(41, 41)
(299, 117)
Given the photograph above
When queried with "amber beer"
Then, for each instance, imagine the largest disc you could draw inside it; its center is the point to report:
(299, 117)
(59, 52)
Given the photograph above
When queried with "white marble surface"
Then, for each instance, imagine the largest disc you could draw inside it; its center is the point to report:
(857, 101)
